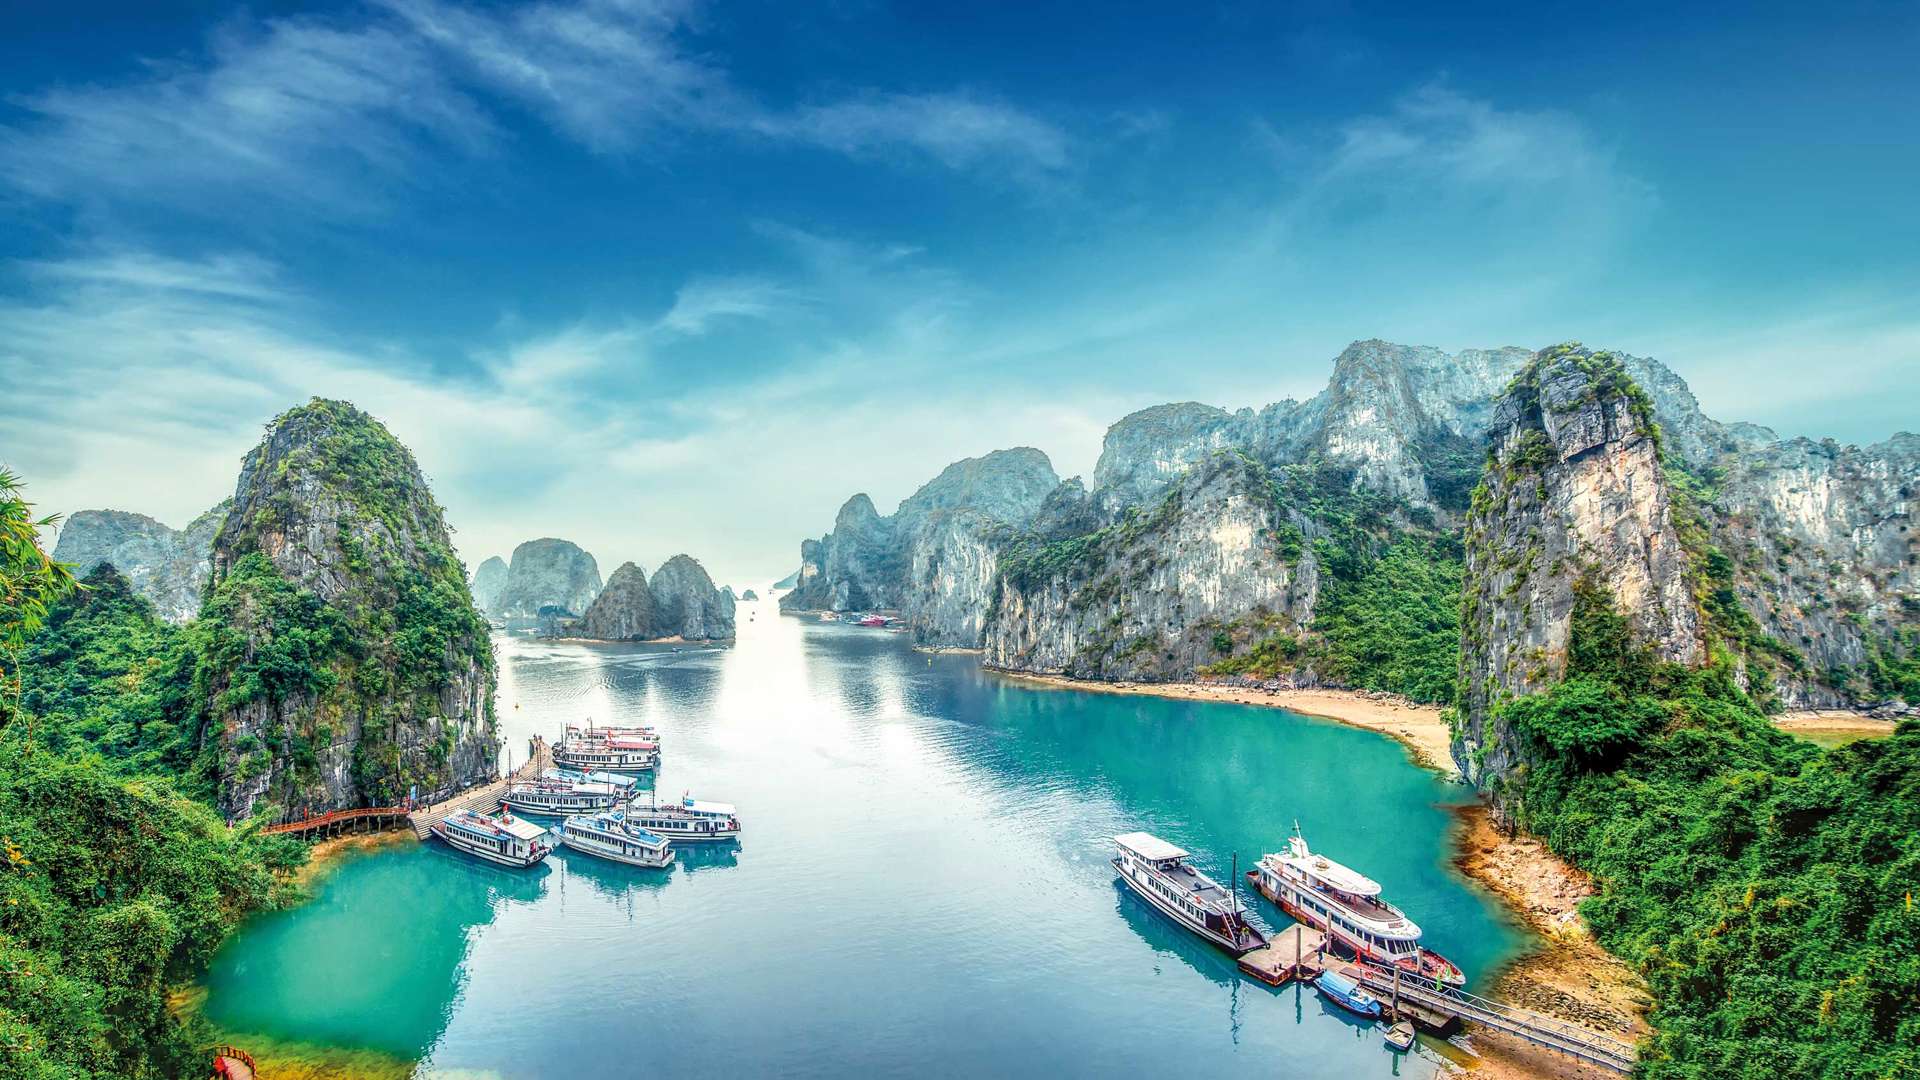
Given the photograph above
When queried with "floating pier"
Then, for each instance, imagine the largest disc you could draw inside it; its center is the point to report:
(1293, 953)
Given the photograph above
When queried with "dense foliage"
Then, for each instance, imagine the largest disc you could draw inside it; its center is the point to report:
(108, 675)
(114, 885)
(30, 582)
(1762, 885)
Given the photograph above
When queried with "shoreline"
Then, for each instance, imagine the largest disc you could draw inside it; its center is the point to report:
(1564, 972)
(1421, 729)
(1833, 727)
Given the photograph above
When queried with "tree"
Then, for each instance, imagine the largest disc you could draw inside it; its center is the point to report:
(30, 582)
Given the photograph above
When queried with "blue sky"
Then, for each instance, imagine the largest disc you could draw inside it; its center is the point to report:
(676, 276)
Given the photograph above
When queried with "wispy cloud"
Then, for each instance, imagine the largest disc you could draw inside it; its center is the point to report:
(336, 111)
(297, 110)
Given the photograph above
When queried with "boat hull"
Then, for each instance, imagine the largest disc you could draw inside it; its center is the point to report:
(1435, 967)
(1366, 1007)
(524, 805)
(461, 844)
(637, 762)
(599, 849)
(1214, 937)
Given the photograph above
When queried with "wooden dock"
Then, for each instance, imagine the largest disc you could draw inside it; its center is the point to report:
(484, 798)
(1293, 953)
(341, 822)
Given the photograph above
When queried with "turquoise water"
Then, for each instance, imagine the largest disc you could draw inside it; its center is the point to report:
(923, 885)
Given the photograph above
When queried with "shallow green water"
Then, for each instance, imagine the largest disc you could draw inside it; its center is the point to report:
(923, 885)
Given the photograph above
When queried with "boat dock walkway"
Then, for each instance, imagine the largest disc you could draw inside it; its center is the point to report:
(1293, 953)
(485, 798)
(1422, 999)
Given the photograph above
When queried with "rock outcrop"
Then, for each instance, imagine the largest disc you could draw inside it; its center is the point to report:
(749, 596)
(548, 573)
(686, 604)
(168, 567)
(624, 610)
(490, 583)
(345, 661)
(1575, 497)
(928, 559)
(1144, 598)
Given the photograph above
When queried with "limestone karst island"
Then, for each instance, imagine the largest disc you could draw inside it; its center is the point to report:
(594, 538)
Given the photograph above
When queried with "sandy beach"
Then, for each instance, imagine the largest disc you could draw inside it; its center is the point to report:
(1832, 727)
(1420, 728)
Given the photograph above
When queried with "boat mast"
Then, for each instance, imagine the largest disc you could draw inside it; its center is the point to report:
(1234, 883)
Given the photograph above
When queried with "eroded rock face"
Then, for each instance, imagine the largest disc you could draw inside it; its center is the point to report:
(1575, 495)
(924, 559)
(549, 573)
(168, 567)
(624, 610)
(346, 661)
(749, 596)
(489, 582)
(1143, 598)
(686, 603)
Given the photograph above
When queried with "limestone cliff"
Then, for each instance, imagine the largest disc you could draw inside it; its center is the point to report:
(687, 604)
(1575, 497)
(928, 559)
(169, 568)
(344, 661)
(624, 610)
(489, 582)
(1145, 598)
(548, 573)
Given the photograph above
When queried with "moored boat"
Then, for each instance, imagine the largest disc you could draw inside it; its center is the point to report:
(1348, 994)
(1158, 872)
(687, 821)
(1346, 906)
(597, 749)
(1401, 1035)
(617, 836)
(560, 795)
(506, 840)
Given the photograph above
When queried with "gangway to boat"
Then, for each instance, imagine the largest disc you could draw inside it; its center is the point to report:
(1564, 1036)
(484, 799)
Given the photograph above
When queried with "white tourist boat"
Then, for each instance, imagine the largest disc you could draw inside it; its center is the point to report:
(687, 821)
(562, 795)
(1346, 906)
(506, 840)
(599, 750)
(1158, 872)
(616, 835)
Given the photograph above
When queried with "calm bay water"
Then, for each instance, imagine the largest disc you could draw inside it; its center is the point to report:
(923, 886)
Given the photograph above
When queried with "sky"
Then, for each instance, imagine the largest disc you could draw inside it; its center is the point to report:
(662, 276)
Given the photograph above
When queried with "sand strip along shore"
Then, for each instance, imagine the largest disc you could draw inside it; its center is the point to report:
(1420, 728)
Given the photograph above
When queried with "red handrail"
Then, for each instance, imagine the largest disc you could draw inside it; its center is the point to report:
(333, 816)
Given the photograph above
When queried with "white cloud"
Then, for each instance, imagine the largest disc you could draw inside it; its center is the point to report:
(296, 111)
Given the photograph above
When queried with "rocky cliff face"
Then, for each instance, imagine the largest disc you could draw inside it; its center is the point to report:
(489, 583)
(927, 558)
(169, 568)
(686, 603)
(344, 659)
(548, 573)
(1144, 598)
(624, 610)
(1575, 497)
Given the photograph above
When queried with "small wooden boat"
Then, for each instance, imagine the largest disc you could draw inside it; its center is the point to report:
(1348, 994)
(1400, 1036)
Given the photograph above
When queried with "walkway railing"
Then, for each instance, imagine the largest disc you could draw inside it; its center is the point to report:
(335, 818)
(1553, 1033)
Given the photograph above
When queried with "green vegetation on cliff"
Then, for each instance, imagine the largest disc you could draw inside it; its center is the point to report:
(115, 886)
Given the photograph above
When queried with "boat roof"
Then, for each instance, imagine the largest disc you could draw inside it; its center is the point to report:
(700, 807)
(520, 828)
(1149, 846)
